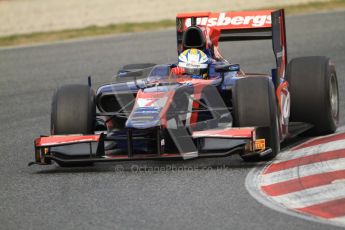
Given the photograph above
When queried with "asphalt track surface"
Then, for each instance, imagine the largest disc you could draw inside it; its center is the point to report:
(207, 194)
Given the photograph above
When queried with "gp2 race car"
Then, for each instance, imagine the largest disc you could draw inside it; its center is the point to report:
(155, 112)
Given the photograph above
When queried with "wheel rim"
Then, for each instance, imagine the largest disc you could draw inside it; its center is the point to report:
(333, 96)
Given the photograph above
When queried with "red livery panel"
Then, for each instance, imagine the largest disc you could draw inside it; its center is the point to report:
(64, 139)
(227, 133)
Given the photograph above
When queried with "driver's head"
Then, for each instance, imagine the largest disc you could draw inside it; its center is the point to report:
(195, 63)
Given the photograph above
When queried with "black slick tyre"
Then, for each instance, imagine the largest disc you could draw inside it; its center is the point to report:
(314, 94)
(73, 110)
(255, 104)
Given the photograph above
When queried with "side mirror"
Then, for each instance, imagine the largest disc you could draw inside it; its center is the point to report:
(227, 68)
(126, 73)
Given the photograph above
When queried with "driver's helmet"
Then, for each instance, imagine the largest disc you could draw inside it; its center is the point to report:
(195, 63)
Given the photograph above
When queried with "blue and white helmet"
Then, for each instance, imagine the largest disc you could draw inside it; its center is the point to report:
(195, 63)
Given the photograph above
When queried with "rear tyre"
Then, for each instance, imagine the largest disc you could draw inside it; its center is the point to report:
(73, 112)
(313, 88)
(255, 104)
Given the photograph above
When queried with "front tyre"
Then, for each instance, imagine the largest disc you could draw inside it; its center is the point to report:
(73, 110)
(255, 104)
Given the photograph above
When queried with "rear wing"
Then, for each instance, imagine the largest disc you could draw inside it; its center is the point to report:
(239, 26)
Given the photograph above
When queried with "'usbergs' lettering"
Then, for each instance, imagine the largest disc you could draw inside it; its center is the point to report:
(224, 20)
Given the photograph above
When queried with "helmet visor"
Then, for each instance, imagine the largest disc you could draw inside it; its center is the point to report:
(199, 69)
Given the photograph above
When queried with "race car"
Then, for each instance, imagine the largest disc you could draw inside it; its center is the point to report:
(201, 106)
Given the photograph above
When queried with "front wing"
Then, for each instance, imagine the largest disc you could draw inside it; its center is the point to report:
(81, 149)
